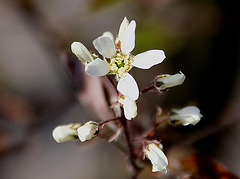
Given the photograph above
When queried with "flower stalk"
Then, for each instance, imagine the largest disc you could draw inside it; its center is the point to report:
(131, 156)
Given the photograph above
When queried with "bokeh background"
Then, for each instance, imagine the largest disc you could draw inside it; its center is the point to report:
(200, 38)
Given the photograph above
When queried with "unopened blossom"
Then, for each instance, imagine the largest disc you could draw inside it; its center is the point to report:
(163, 82)
(65, 132)
(185, 116)
(158, 159)
(88, 131)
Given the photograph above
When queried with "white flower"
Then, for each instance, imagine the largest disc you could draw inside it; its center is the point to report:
(117, 57)
(185, 116)
(88, 131)
(129, 107)
(157, 157)
(118, 60)
(65, 132)
(166, 81)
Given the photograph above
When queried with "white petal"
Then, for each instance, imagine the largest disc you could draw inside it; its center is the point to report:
(108, 34)
(148, 59)
(81, 52)
(123, 28)
(128, 38)
(128, 87)
(189, 110)
(130, 108)
(97, 67)
(105, 46)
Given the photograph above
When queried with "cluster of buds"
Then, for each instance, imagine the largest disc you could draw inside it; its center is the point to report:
(115, 58)
(74, 131)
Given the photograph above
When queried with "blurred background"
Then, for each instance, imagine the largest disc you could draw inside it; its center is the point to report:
(200, 38)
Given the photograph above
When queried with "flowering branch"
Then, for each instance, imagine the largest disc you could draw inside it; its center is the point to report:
(115, 58)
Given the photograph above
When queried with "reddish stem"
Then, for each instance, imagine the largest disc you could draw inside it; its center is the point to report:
(109, 120)
(116, 134)
(112, 82)
(147, 90)
(131, 155)
(151, 131)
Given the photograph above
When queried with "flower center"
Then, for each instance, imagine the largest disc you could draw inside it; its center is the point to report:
(120, 64)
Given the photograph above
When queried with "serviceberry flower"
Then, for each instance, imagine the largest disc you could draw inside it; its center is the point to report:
(185, 116)
(88, 131)
(158, 159)
(64, 133)
(117, 58)
(163, 82)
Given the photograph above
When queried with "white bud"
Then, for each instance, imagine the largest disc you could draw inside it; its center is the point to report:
(166, 81)
(81, 52)
(65, 132)
(185, 116)
(158, 159)
(88, 131)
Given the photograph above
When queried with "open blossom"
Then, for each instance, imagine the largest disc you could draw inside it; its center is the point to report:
(163, 82)
(117, 58)
(158, 159)
(185, 116)
(88, 131)
(65, 132)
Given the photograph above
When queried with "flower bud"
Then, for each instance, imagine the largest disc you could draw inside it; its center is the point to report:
(163, 82)
(185, 116)
(65, 132)
(81, 52)
(88, 131)
(158, 159)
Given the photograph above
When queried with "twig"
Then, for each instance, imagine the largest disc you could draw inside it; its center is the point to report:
(117, 133)
(109, 120)
(147, 90)
(131, 156)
